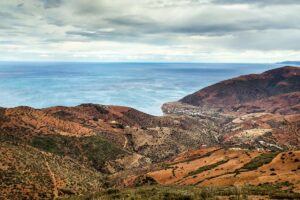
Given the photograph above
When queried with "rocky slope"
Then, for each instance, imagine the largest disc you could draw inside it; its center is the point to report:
(266, 92)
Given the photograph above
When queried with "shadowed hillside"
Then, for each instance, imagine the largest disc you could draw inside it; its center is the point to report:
(252, 93)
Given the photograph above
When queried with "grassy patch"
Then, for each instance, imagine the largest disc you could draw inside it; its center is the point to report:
(259, 161)
(147, 192)
(283, 195)
(159, 192)
(99, 150)
(265, 189)
(95, 149)
(205, 168)
(47, 144)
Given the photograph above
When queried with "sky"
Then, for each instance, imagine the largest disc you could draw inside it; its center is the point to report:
(150, 30)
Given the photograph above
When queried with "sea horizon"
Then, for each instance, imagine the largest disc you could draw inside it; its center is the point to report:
(144, 86)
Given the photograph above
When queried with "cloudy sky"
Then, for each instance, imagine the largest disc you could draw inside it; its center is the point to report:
(150, 30)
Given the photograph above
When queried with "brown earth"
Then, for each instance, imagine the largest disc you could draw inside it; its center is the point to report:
(27, 173)
(252, 93)
(229, 167)
(264, 130)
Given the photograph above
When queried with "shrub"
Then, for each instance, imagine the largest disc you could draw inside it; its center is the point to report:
(144, 180)
(175, 196)
(47, 144)
(112, 191)
(285, 196)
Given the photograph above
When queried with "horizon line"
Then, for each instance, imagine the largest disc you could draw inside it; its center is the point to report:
(136, 62)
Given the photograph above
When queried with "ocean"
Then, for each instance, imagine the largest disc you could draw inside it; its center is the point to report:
(144, 86)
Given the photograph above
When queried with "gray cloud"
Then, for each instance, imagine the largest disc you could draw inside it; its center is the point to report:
(20, 5)
(259, 2)
(162, 27)
(51, 3)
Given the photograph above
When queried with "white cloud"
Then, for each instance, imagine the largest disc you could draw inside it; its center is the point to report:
(122, 30)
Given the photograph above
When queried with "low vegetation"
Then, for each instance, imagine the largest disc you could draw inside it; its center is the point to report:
(259, 161)
(158, 192)
(144, 180)
(93, 148)
(28, 173)
(48, 144)
(206, 168)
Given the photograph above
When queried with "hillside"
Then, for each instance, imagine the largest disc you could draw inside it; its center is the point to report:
(215, 173)
(233, 94)
(231, 173)
(89, 127)
(101, 139)
(26, 172)
(263, 109)
(232, 167)
(235, 138)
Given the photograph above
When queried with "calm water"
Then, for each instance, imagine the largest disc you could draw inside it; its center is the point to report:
(145, 86)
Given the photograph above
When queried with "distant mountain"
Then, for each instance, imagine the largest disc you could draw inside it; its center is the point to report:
(233, 94)
(265, 108)
(289, 63)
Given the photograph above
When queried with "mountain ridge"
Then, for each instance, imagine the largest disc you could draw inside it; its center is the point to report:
(229, 95)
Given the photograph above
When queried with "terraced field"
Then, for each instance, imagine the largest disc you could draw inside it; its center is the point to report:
(212, 167)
